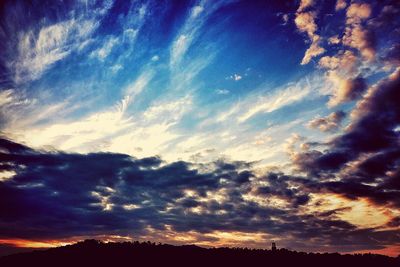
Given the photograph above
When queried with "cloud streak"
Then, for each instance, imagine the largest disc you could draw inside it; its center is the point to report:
(39, 48)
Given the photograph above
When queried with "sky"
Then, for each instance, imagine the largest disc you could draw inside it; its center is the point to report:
(216, 123)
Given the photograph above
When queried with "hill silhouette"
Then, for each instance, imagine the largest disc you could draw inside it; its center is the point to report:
(96, 253)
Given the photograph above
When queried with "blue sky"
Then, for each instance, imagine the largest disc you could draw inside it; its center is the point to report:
(279, 85)
(188, 62)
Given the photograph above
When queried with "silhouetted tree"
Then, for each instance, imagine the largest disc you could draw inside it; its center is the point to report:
(95, 253)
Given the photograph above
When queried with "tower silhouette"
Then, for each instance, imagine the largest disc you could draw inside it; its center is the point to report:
(273, 246)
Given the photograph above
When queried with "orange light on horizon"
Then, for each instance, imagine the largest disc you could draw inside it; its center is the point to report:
(232, 239)
(24, 243)
(392, 251)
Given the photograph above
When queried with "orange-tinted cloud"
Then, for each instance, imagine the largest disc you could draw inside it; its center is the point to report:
(305, 22)
(356, 13)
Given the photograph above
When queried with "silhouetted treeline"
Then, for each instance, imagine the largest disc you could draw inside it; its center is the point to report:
(95, 253)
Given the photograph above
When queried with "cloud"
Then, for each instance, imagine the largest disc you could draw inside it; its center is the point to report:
(342, 74)
(222, 91)
(356, 13)
(356, 35)
(139, 84)
(387, 18)
(115, 68)
(346, 89)
(275, 101)
(106, 49)
(179, 48)
(359, 153)
(285, 18)
(43, 44)
(344, 62)
(155, 58)
(213, 196)
(188, 33)
(19, 112)
(6, 97)
(78, 195)
(305, 22)
(38, 53)
(392, 55)
(304, 4)
(235, 77)
(361, 39)
(329, 123)
(100, 193)
(340, 4)
(314, 50)
(334, 40)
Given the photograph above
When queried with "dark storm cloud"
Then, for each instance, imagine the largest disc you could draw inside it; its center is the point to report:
(12, 147)
(353, 88)
(387, 19)
(372, 131)
(64, 192)
(279, 186)
(371, 142)
(393, 54)
(59, 195)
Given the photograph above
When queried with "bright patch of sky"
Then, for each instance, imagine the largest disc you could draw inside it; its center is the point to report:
(193, 81)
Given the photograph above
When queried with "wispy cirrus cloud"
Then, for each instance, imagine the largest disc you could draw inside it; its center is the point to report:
(189, 32)
(51, 41)
(279, 99)
(106, 49)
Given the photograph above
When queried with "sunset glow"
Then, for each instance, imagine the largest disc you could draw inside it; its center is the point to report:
(209, 122)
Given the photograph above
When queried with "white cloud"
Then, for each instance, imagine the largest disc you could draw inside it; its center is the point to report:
(189, 31)
(38, 48)
(265, 101)
(179, 48)
(6, 175)
(222, 91)
(131, 34)
(6, 97)
(133, 22)
(168, 111)
(237, 77)
(106, 49)
(38, 53)
(83, 135)
(115, 68)
(275, 101)
(155, 58)
(19, 113)
(196, 10)
(137, 86)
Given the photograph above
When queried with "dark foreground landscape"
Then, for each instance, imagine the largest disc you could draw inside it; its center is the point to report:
(96, 253)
